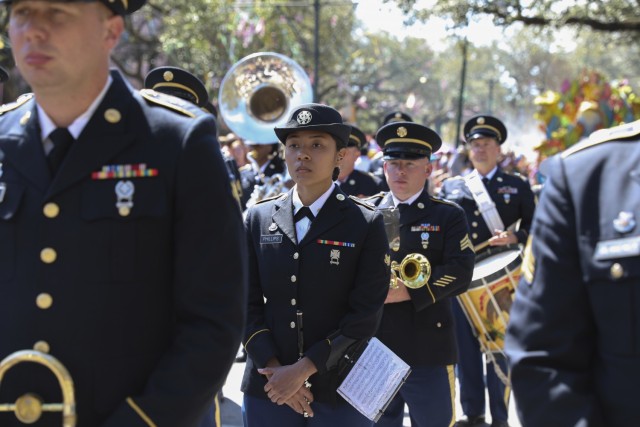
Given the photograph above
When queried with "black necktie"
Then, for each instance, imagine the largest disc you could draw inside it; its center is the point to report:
(485, 181)
(62, 140)
(403, 207)
(304, 212)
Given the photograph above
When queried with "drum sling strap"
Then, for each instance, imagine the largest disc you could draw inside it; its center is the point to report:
(485, 205)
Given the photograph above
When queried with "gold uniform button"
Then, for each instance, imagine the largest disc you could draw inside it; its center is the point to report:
(44, 301)
(296, 255)
(474, 224)
(439, 325)
(474, 236)
(476, 213)
(48, 255)
(292, 324)
(293, 301)
(112, 115)
(617, 271)
(293, 279)
(41, 346)
(51, 210)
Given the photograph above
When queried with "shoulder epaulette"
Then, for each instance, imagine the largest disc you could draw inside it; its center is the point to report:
(244, 167)
(375, 196)
(605, 135)
(362, 202)
(22, 99)
(443, 201)
(171, 102)
(266, 199)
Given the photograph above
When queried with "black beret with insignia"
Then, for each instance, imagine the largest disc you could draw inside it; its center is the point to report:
(177, 82)
(315, 117)
(485, 126)
(396, 116)
(407, 140)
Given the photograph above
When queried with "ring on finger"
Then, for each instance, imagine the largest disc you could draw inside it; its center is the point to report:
(306, 414)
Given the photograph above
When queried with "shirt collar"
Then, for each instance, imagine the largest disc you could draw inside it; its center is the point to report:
(315, 206)
(490, 175)
(77, 126)
(409, 201)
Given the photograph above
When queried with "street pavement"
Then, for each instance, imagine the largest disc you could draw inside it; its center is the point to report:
(230, 407)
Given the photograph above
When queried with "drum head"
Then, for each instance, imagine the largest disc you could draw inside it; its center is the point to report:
(493, 260)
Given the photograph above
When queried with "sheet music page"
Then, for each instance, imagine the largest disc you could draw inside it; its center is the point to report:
(374, 380)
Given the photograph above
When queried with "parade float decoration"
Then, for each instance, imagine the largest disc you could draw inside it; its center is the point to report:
(581, 107)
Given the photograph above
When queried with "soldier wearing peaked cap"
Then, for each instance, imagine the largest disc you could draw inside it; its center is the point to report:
(178, 82)
(507, 200)
(318, 280)
(417, 322)
(123, 251)
(396, 116)
(377, 161)
(182, 84)
(352, 181)
(573, 336)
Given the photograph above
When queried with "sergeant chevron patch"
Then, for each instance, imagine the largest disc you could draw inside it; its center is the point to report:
(444, 280)
(465, 243)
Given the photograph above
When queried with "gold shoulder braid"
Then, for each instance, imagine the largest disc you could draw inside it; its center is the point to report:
(171, 102)
(528, 261)
(363, 202)
(22, 99)
(605, 135)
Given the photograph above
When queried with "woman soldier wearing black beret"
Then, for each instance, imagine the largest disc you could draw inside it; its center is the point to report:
(318, 280)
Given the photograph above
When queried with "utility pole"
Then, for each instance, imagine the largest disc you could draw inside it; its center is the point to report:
(316, 50)
(463, 76)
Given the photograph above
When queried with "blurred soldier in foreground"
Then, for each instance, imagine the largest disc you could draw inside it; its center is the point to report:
(574, 336)
(122, 245)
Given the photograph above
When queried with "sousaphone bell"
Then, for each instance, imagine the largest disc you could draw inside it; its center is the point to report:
(258, 93)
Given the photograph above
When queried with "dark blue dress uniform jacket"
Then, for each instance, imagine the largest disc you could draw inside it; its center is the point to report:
(513, 198)
(360, 184)
(147, 309)
(421, 331)
(339, 289)
(574, 334)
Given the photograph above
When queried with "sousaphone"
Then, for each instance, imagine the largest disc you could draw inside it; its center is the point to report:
(258, 93)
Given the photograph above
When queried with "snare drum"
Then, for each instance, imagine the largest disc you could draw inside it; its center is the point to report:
(488, 301)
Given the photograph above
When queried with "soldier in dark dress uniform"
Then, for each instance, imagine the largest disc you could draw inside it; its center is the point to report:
(573, 340)
(181, 83)
(377, 161)
(318, 274)
(417, 323)
(514, 201)
(352, 181)
(122, 250)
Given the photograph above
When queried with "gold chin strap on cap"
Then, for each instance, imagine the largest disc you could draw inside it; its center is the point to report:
(29, 407)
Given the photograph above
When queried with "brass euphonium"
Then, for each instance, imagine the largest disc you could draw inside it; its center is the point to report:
(414, 271)
(29, 407)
